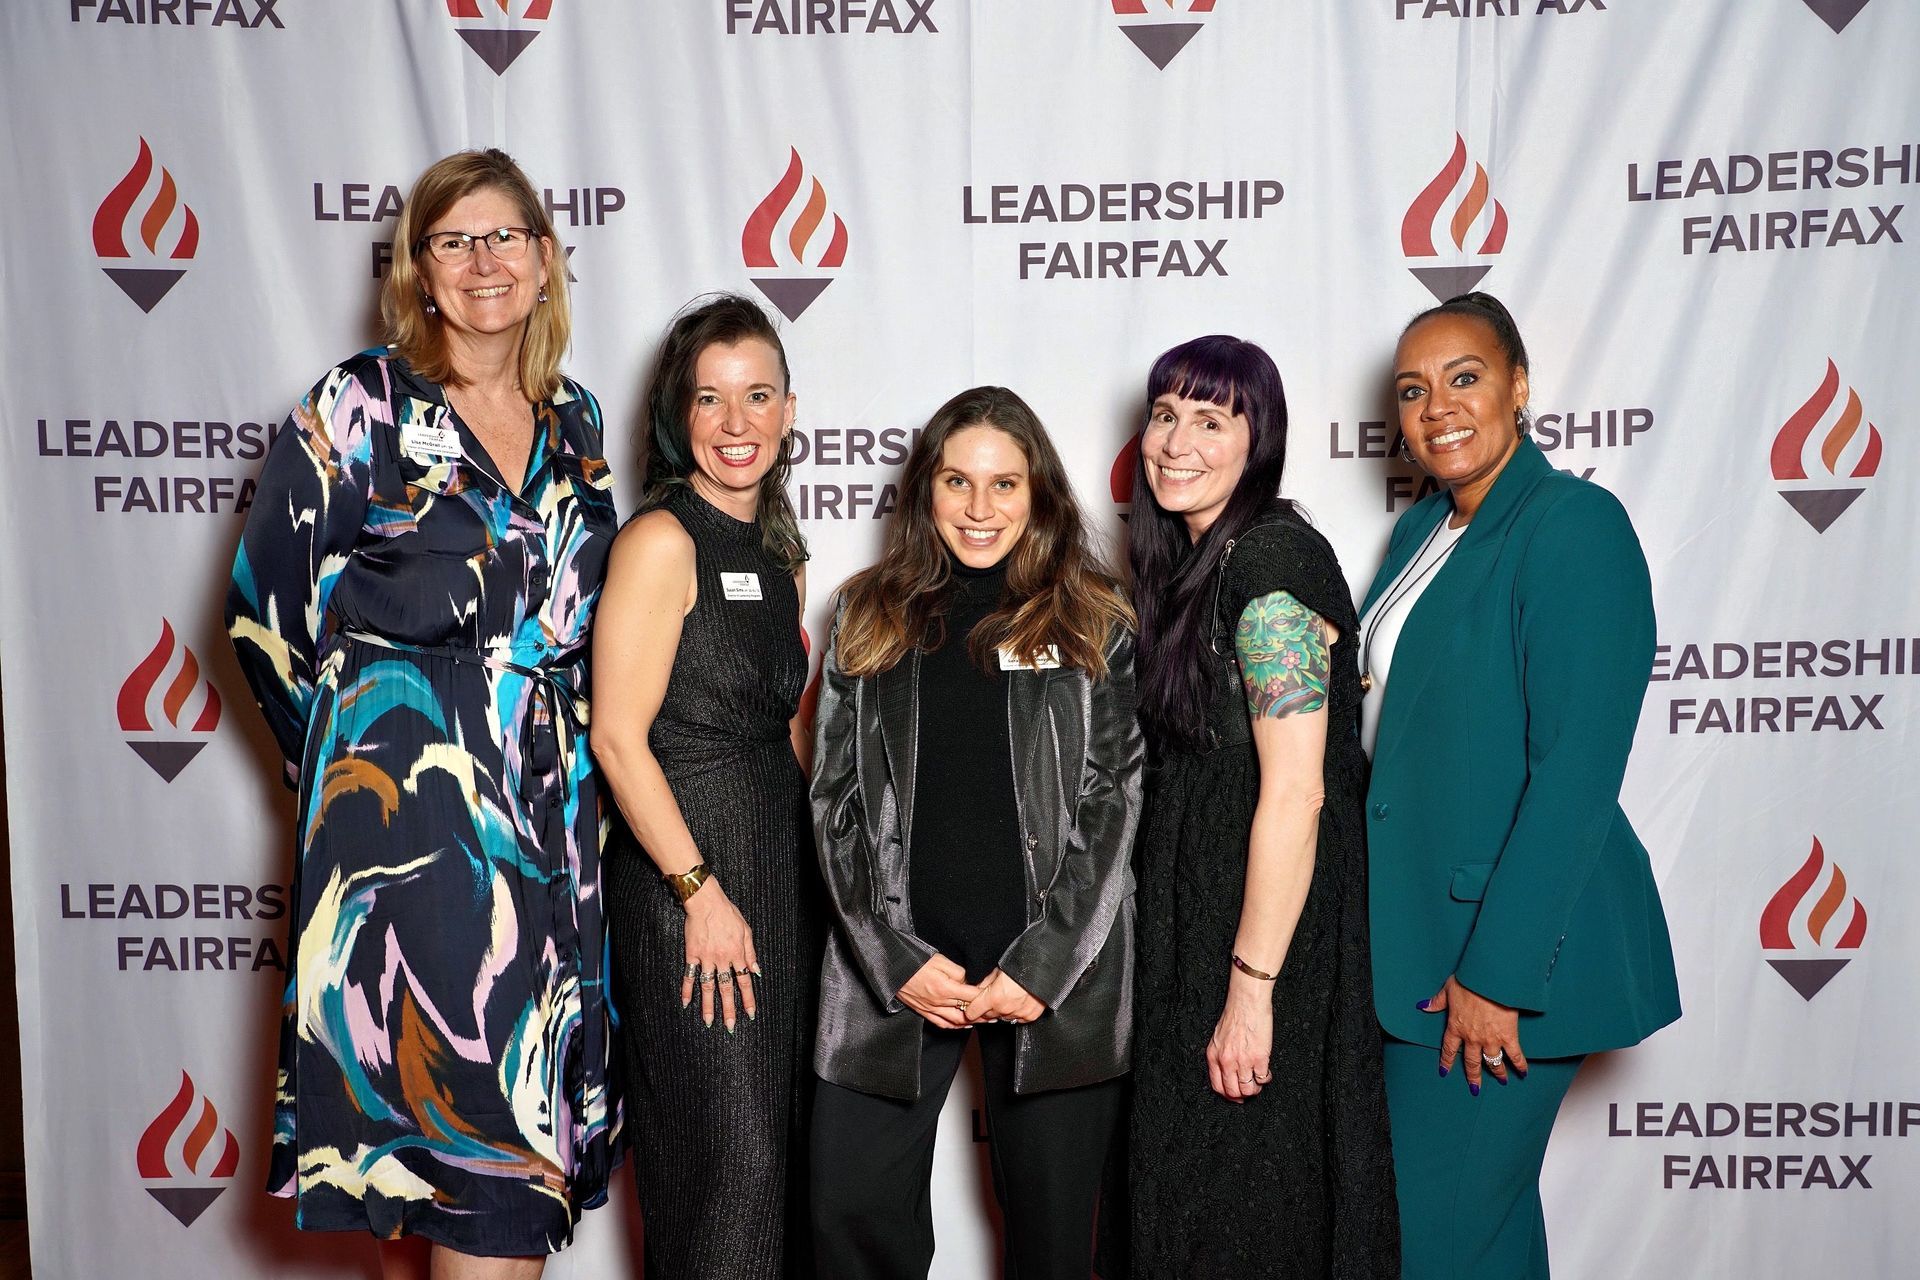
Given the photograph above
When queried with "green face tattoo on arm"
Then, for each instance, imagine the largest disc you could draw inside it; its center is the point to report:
(1284, 662)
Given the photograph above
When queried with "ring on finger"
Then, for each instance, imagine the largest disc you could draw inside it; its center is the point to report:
(693, 970)
(710, 976)
(1495, 1058)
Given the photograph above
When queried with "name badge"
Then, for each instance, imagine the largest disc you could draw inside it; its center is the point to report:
(740, 586)
(1046, 660)
(423, 441)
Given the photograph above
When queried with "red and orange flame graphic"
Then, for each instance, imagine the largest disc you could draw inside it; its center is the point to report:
(110, 220)
(757, 239)
(137, 690)
(1417, 228)
(153, 1155)
(1127, 8)
(1789, 446)
(533, 11)
(1821, 912)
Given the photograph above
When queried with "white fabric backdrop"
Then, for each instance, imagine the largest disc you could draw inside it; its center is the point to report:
(1698, 212)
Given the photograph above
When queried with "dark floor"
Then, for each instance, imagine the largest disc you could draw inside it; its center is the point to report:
(13, 1250)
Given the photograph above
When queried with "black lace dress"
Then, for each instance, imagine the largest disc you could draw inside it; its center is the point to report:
(1297, 1182)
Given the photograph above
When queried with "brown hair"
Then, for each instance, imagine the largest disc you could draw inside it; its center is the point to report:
(421, 339)
(1058, 593)
(667, 451)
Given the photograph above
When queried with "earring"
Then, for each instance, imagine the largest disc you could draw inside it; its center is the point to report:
(1406, 455)
(543, 294)
(428, 304)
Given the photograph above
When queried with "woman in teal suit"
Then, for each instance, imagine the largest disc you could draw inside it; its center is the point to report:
(1506, 643)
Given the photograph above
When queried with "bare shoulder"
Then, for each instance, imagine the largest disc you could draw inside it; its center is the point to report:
(653, 550)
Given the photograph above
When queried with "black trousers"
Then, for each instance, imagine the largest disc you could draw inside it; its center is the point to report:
(872, 1168)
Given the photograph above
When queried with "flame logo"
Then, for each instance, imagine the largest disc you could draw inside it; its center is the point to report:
(166, 1153)
(1126, 8)
(757, 239)
(1417, 228)
(1120, 479)
(110, 220)
(531, 10)
(1789, 446)
(1796, 919)
(137, 691)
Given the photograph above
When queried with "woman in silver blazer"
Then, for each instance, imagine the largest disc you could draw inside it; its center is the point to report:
(975, 791)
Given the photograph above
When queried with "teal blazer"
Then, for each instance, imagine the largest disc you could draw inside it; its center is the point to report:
(1496, 843)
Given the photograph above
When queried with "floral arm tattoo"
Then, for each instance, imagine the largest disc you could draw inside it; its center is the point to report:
(1284, 662)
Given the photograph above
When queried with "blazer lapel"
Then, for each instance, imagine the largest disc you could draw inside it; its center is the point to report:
(1441, 610)
(897, 693)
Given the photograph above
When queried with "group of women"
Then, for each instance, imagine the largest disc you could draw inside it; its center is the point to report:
(1236, 991)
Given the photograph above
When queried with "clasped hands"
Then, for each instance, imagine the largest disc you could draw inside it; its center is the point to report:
(941, 994)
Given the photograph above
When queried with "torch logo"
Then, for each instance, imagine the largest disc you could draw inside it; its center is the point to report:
(182, 731)
(1800, 924)
(1837, 13)
(181, 1165)
(1472, 217)
(1120, 478)
(163, 227)
(1846, 454)
(792, 238)
(488, 27)
(1142, 22)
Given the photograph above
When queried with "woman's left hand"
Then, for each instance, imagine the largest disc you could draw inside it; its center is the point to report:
(1240, 1055)
(1486, 1031)
(1001, 999)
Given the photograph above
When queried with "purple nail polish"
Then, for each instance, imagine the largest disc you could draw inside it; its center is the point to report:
(1443, 1072)
(1501, 1079)
(1421, 1005)
(1473, 1088)
(1520, 1073)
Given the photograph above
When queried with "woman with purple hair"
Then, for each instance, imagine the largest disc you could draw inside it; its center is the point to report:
(1259, 1131)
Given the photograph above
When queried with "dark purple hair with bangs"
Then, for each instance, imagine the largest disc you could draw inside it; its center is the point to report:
(1173, 577)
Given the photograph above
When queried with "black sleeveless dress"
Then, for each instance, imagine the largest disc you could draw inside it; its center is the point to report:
(1297, 1182)
(713, 1118)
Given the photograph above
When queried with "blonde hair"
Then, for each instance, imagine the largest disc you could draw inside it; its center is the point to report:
(420, 338)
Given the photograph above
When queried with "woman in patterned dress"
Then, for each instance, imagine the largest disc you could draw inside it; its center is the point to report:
(410, 604)
(711, 883)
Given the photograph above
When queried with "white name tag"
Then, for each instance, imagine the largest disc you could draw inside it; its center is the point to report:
(1047, 659)
(423, 441)
(740, 586)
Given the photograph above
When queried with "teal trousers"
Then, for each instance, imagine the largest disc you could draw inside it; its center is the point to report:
(1468, 1169)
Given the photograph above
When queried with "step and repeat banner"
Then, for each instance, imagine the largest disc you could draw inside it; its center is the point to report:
(1702, 215)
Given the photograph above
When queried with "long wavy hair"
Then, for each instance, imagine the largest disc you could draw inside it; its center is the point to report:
(1058, 592)
(1173, 576)
(667, 449)
(421, 339)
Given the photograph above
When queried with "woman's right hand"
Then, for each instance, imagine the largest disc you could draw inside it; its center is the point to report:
(940, 993)
(720, 949)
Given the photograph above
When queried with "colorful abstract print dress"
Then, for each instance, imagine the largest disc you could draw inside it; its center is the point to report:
(416, 636)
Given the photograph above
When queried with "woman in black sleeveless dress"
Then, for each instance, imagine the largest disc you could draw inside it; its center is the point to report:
(716, 943)
(1259, 1128)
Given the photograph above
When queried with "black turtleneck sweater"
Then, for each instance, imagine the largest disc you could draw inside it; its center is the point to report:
(966, 878)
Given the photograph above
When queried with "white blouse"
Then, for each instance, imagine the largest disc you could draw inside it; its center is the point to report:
(1380, 628)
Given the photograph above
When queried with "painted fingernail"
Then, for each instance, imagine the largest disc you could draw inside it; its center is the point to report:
(1473, 1088)
(1501, 1079)
(1443, 1072)
(729, 1028)
(1421, 1005)
(1520, 1073)
(751, 1015)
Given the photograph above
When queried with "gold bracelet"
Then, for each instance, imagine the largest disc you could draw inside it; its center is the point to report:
(1252, 972)
(686, 883)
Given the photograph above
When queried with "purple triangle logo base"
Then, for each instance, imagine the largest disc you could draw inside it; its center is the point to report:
(1820, 507)
(185, 1203)
(1837, 13)
(145, 285)
(498, 49)
(1161, 41)
(1808, 976)
(792, 296)
(1449, 282)
(167, 758)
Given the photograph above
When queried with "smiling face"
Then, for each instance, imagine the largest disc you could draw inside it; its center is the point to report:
(484, 298)
(1459, 399)
(1195, 453)
(981, 495)
(741, 409)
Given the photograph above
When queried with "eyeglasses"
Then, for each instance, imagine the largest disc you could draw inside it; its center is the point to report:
(455, 247)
